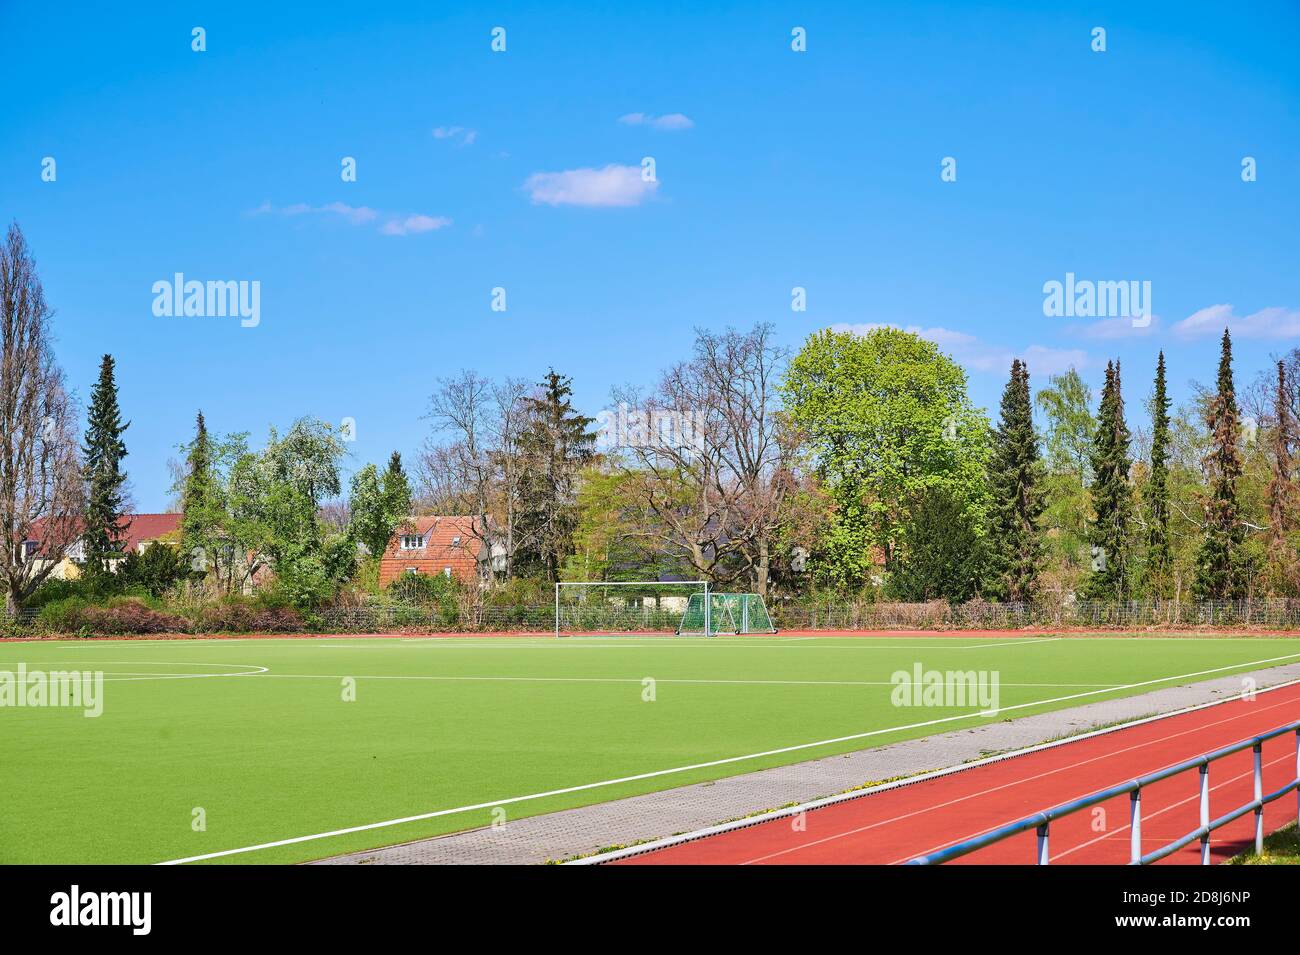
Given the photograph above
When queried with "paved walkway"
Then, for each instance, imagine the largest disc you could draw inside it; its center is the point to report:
(573, 832)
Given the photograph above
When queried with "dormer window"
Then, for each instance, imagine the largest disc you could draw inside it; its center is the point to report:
(412, 541)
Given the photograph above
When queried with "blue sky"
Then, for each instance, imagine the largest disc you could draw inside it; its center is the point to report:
(818, 169)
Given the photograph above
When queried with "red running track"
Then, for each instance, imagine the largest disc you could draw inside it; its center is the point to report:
(898, 824)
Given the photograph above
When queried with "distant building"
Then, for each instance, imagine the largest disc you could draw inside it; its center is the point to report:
(452, 546)
(139, 531)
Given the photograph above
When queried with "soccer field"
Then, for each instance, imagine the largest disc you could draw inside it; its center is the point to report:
(258, 740)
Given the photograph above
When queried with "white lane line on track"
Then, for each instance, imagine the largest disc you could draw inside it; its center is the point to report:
(654, 774)
(912, 813)
(825, 801)
(1148, 816)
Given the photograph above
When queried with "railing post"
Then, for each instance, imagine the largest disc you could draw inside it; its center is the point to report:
(1042, 843)
(1135, 825)
(1259, 795)
(1297, 774)
(1205, 814)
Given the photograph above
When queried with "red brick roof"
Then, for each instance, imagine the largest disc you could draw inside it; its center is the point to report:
(449, 541)
(138, 528)
(141, 528)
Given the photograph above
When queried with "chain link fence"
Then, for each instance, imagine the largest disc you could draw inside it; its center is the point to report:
(618, 617)
(1280, 613)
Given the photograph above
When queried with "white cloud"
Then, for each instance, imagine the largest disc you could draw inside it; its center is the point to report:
(668, 122)
(1111, 329)
(1266, 323)
(356, 215)
(614, 185)
(414, 225)
(457, 134)
(969, 351)
(399, 224)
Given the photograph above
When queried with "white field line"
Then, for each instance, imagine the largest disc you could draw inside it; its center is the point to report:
(729, 760)
(637, 680)
(761, 818)
(253, 670)
(129, 676)
(549, 643)
(562, 648)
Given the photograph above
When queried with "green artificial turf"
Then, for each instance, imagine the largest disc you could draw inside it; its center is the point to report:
(440, 724)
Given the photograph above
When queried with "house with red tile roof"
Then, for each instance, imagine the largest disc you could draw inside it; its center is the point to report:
(139, 531)
(450, 545)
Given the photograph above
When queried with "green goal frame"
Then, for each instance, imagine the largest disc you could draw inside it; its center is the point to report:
(708, 614)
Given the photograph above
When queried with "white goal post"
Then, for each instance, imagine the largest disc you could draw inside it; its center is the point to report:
(588, 605)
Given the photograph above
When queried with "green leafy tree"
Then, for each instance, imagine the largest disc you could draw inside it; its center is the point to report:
(885, 415)
(279, 496)
(1112, 496)
(1066, 403)
(556, 444)
(246, 510)
(1159, 556)
(157, 569)
(1016, 500)
(1218, 562)
(378, 505)
(103, 453)
(941, 555)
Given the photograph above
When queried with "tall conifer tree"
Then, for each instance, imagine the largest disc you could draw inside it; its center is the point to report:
(1281, 490)
(1158, 551)
(1112, 504)
(103, 454)
(200, 504)
(1218, 571)
(396, 488)
(557, 442)
(1017, 499)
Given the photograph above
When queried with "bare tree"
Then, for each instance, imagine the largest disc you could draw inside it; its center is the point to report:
(41, 491)
(470, 465)
(509, 420)
(710, 459)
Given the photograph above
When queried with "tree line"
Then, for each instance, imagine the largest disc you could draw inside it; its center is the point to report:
(857, 466)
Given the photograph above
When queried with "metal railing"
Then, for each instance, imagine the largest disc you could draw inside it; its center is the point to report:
(1042, 821)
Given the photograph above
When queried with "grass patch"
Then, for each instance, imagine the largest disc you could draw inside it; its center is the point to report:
(1281, 848)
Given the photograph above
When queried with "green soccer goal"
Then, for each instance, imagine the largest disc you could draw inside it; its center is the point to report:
(713, 613)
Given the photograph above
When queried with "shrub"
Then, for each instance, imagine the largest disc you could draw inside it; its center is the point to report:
(91, 588)
(236, 616)
(62, 614)
(278, 620)
(129, 616)
(437, 592)
(230, 616)
(156, 571)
